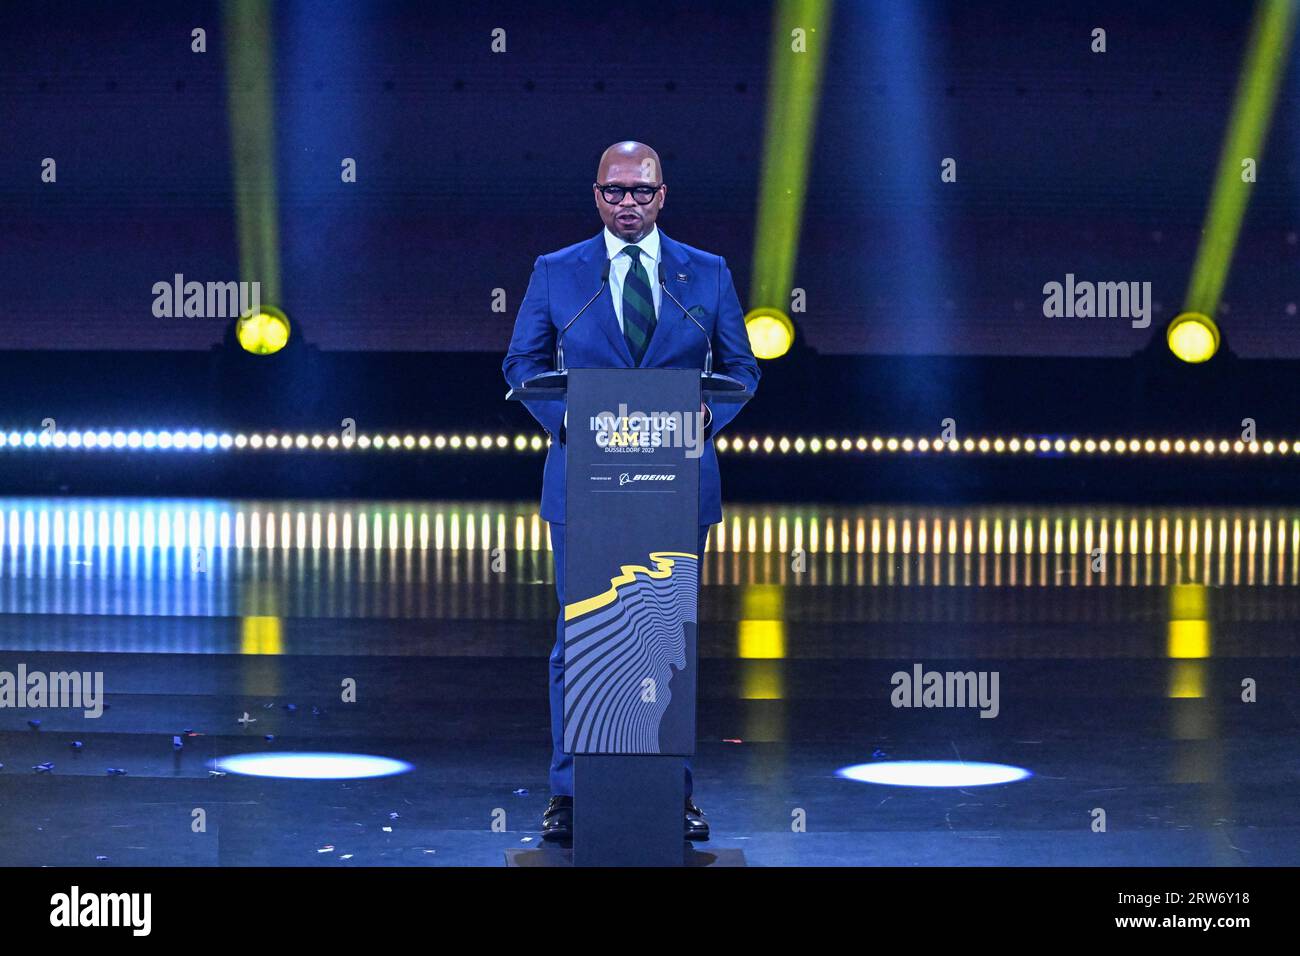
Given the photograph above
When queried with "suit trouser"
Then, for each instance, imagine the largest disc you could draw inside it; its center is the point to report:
(562, 763)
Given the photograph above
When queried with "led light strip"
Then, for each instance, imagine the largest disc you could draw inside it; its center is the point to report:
(1007, 446)
(103, 440)
(256, 441)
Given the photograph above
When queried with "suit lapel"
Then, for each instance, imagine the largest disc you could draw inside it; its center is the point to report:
(602, 310)
(674, 260)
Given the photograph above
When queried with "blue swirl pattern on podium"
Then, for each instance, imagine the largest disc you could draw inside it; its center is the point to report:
(613, 649)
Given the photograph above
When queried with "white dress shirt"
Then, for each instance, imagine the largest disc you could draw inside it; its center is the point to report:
(620, 262)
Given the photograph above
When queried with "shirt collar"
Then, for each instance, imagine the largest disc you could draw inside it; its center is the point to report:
(648, 245)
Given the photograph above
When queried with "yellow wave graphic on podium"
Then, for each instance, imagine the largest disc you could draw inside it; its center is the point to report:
(663, 561)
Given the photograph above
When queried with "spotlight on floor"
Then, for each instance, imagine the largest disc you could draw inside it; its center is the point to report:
(771, 333)
(311, 766)
(1193, 337)
(933, 773)
(264, 332)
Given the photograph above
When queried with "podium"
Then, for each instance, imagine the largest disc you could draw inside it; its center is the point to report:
(632, 443)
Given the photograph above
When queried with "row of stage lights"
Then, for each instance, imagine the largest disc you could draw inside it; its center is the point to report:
(224, 441)
(1012, 446)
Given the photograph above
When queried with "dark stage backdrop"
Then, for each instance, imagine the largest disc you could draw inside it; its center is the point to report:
(471, 163)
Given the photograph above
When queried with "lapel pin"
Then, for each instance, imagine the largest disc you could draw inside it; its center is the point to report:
(681, 277)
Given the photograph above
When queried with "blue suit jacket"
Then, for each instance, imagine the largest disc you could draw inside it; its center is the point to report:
(562, 281)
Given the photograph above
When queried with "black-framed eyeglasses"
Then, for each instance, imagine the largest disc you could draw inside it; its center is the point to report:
(613, 193)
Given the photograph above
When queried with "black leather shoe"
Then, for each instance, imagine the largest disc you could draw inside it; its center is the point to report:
(557, 821)
(697, 828)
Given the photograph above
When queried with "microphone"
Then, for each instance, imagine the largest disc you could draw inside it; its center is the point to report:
(559, 342)
(708, 356)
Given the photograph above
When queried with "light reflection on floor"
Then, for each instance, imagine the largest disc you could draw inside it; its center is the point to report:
(1139, 546)
(458, 561)
(1122, 636)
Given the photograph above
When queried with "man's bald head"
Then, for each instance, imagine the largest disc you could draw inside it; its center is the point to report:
(630, 164)
(632, 153)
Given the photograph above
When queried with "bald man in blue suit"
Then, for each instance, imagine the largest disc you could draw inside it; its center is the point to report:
(632, 324)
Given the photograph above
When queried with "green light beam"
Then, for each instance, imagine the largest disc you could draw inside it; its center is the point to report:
(1252, 111)
(252, 141)
(793, 86)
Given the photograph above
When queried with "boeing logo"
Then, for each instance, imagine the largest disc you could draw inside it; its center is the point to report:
(625, 478)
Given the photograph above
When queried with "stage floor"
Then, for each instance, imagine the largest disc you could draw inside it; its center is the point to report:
(1120, 688)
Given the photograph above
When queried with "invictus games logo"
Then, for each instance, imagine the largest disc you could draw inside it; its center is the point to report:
(625, 432)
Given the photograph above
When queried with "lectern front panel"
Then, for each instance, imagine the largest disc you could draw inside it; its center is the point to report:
(631, 568)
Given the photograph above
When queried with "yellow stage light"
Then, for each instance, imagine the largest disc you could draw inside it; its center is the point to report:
(1193, 337)
(263, 333)
(770, 332)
